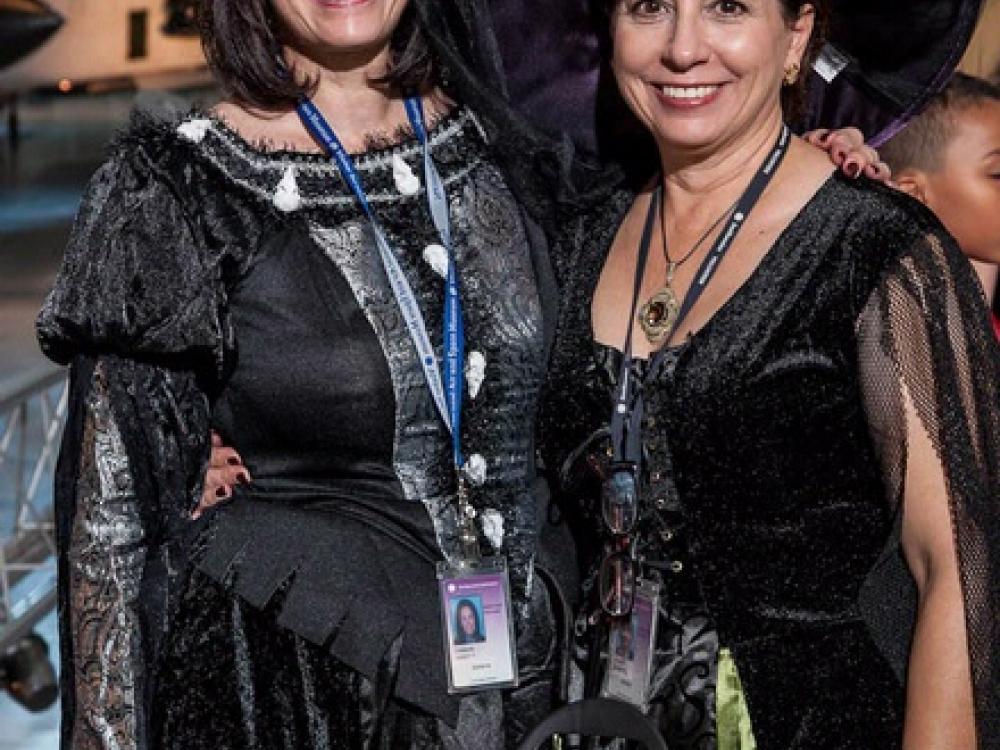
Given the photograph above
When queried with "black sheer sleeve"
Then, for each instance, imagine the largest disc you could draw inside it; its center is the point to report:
(925, 345)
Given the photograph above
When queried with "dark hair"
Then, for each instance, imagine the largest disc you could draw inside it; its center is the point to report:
(922, 142)
(793, 98)
(467, 604)
(243, 48)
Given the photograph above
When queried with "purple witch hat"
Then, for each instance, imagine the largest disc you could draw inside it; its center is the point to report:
(885, 59)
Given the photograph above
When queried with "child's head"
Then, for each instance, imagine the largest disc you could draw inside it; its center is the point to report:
(949, 158)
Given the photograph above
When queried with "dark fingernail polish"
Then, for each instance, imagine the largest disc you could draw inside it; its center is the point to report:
(853, 170)
(221, 492)
(243, 478)
(233, 461)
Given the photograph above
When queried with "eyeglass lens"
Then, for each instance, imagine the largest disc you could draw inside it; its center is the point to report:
(617, 584)
(619, 500)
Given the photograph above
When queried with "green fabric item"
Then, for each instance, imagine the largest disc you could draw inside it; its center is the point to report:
(734, 729)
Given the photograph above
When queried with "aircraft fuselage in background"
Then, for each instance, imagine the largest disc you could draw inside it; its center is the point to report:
(105, 42)
(25, 25)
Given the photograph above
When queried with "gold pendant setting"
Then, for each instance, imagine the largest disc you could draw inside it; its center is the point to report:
(658, 315)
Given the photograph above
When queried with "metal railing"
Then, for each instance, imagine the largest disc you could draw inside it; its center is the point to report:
(31, 423)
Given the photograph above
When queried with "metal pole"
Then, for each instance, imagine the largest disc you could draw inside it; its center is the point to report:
(13, 124)
(20, 495)
(27, 545)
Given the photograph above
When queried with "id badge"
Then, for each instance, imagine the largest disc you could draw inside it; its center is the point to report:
(631, 642)
(478, 626)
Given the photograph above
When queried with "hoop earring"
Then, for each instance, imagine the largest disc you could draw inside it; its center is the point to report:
(792, 74)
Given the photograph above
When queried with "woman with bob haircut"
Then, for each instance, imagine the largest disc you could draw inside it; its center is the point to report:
(776, 392)
(223, 274)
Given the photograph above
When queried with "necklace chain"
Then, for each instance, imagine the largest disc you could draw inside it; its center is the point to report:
(671, 264)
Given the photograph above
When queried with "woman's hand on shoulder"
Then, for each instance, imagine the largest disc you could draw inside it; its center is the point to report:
(225, 471)
(847, 149)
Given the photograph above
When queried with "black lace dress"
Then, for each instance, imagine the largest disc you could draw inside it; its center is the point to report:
(776, 442)
(213, 283)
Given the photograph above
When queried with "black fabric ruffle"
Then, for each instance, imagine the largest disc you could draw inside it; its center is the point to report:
(356, 575)
(270, 688)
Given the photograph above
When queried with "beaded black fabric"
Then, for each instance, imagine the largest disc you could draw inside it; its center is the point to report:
(784, 424)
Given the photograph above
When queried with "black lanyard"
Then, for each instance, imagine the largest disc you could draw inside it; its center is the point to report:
(626, 419)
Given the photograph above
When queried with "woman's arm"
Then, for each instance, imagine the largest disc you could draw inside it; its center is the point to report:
(137, 313)
(939, 706)
(103, 549)
(130, 463)
(930, 375)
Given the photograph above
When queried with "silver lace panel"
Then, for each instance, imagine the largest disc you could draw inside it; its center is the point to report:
(106, 559)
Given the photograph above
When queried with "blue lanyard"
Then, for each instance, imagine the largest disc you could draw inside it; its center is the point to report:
(447, 394)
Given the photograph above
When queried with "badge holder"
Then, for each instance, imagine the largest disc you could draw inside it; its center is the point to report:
(631, 643)
(476, 617)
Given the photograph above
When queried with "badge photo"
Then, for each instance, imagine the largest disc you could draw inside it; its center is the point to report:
(477, 625)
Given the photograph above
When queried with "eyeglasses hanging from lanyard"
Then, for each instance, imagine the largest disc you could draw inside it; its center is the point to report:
(622, 487)
(446, 392)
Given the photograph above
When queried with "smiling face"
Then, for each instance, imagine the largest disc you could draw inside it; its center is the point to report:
(339, 27)
(701, 73)
(467, 619)
(965, 191)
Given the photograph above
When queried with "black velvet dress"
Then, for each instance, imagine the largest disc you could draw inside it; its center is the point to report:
(776, 442)
(212, 283)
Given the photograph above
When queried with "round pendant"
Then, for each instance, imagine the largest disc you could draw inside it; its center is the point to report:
(657, 316)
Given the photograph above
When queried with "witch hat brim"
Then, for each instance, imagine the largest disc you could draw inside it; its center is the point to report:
(885, 60)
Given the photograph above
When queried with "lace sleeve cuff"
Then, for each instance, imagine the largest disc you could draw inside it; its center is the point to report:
(106, 557)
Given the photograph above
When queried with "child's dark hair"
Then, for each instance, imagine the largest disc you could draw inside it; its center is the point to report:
(923, 142)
